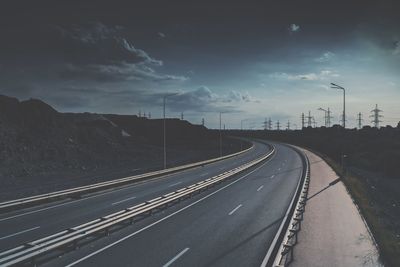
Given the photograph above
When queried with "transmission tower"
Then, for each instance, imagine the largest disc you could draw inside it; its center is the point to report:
(309, 119)
(269, 124)
(288, 125)
(328, 118)
(278, 126)
(265, 123)
(181, 115)
(375, 116)
(359, 120)
(202, 121)
(140, 113)
(302, 120)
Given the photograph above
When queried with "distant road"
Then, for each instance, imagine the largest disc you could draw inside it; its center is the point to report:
(231, 224)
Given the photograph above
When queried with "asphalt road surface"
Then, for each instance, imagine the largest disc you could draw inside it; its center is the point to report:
(232, 224)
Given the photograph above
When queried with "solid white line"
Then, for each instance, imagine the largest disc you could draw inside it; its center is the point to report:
(260, 188)
(21, 232)
(174, 184)
(126, 199)
(176, 257)
(235, 209)
(163, 219)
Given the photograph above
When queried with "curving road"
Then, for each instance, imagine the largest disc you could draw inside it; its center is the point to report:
(231, 224)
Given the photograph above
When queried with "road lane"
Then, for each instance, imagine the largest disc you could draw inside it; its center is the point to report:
(55, 217)
(204, 225)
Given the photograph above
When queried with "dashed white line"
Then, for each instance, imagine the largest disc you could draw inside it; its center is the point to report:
(164, 218)
(21, 232)
(279, 169)
(261, 187)
(272, 176)
(126, 199)
(174, 184)
(204, 174)
(235, 209)
(176, 257)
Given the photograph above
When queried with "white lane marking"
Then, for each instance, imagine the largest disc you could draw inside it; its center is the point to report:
(116, 190)
(204, 174)
(261, 187)
(126, 199)
(235, 209)
(163, 219)
(20, 232)
(272, 176)
(43, 209)
(176, 257)
(279, 169)
(174, 184)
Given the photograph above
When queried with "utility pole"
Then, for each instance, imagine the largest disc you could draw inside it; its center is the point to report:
(309, 118)
(359, 120)
(202, 121)
(165, 134)
(335, 86)
(182, 116)
(220, 135)
(269, 124)
(278, 126)
(288, 125)
(376, 116)
(302, 120)
(149, 115)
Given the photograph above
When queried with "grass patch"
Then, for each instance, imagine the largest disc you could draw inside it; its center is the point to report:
(388, 245)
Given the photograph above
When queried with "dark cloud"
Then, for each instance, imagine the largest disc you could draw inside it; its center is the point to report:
(116, 73)
(97, 43)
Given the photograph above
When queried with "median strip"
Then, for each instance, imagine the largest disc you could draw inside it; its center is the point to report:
(70, 237)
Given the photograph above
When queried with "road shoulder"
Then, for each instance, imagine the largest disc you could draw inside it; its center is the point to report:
(333, 232)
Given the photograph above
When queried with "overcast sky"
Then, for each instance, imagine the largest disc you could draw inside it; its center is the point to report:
(251, 60)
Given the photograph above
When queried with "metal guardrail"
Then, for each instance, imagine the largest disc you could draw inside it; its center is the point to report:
(17, 203)
(30, 252)
(285, 255)
(280, 252)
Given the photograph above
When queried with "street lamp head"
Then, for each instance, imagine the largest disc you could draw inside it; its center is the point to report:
(335, 86)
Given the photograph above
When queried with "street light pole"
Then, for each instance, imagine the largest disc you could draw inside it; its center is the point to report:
(220, 136)
(335, 86)
(164, 131)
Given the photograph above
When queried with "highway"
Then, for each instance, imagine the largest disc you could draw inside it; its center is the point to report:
(230, 224)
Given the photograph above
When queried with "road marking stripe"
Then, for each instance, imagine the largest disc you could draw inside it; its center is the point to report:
(204, 174)
(126, 199)
(279, 169)
(235, 209)
(272, 176)
(176, 257)
(260, 188)
(174, 184)
(21, 232)
(163, 219)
